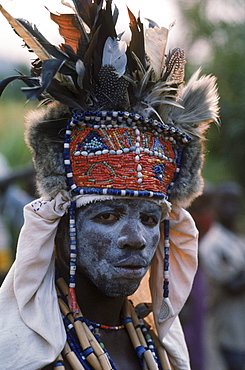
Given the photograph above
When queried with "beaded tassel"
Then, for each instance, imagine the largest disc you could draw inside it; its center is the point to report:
(166, 311)
(73, 258)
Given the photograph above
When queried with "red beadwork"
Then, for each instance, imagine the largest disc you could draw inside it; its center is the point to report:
(119, 171)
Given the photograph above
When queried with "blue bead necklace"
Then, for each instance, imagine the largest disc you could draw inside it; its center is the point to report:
(83, 338)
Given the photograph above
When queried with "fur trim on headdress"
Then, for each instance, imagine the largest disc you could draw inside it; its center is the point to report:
(44, 135)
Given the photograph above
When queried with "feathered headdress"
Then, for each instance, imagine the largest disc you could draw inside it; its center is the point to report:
(120, 120)
(95, 70)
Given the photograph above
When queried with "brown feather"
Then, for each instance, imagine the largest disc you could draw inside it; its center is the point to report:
(69, 29)
(28, 38)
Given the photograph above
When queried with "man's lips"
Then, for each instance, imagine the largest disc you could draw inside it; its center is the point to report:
(131, 267)
(132, 262)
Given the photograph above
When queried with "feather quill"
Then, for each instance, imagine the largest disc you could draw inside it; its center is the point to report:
(114, 54)
(155, 45)
(26, 35)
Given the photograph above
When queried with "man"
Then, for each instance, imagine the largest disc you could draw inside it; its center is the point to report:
(110, 156)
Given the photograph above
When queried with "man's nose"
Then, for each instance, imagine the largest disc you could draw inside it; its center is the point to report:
(132, 237)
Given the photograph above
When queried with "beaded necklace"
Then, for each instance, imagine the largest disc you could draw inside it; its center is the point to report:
(84, 349)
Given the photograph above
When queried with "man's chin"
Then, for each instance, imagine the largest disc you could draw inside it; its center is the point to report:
(121, 290)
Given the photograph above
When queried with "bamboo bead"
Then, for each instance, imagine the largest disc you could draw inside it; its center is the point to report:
(162, 354)
(74, 362)
(82, 337)
(59, 358)
(65, 310)
(150, 360)
(104, 361)
(62, 286)
(72, 358)
(93, 341)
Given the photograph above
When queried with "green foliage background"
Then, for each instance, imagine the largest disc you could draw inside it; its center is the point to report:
(226, 60)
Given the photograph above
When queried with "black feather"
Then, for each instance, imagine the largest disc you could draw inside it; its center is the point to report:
(29, 81)
(51, 49)
(49, 69)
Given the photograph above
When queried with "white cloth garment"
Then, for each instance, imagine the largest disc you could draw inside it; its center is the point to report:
(32, 332)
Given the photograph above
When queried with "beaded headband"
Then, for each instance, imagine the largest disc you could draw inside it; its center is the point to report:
(135, 128)
(122, 154)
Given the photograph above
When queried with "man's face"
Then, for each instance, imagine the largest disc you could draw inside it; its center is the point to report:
(116, 241)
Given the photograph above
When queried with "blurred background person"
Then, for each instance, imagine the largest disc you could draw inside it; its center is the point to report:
(193, 313)
(222, 254)
(12, 201)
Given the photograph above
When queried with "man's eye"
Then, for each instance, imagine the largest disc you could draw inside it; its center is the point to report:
(107, 217)
(149, 220)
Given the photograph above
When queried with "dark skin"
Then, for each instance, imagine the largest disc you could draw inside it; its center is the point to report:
(127, 233)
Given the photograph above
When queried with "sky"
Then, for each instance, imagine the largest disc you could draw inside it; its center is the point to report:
(161, 11)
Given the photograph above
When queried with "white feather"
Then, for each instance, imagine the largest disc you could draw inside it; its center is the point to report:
(155, 45)
(80, 69)
(114, 54)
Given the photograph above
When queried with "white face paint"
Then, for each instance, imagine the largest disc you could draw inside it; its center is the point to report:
(116, 241)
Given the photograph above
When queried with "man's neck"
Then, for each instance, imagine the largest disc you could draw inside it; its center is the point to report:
(95, 305)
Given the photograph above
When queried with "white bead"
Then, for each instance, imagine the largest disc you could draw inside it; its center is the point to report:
(139, 167)
(126, 150)
(137, 132)
(119, 151)
(137, 158)
(85, 154)
(99, 152)
(140, 180)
